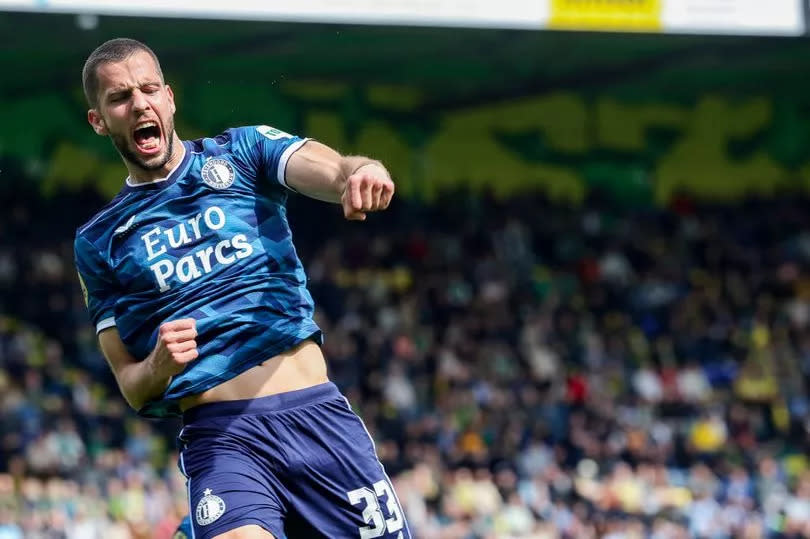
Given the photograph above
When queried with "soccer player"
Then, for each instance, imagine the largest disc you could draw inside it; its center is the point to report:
(201, 308)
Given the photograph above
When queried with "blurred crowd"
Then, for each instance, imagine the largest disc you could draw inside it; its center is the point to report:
(526, 370)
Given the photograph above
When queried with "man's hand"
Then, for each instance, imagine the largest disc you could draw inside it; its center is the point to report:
(368, 189)
(175, 347)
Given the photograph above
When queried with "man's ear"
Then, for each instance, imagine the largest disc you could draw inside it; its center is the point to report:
(97, 122)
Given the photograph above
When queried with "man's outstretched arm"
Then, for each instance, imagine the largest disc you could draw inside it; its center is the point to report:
(357, 183)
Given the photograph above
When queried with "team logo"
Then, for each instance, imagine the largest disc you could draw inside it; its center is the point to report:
(210, 508)
(218, 173)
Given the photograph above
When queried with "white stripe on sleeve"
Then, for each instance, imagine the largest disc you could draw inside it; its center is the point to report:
(104, 324)
(282, 162)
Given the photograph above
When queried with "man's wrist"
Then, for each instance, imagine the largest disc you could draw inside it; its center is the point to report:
(355, 164)
(152, 371)
(376, 166)
(352, 164)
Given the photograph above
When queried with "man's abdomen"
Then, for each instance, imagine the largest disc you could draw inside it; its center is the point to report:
(299, 368)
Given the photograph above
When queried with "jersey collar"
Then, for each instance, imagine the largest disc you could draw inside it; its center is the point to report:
(162, 183)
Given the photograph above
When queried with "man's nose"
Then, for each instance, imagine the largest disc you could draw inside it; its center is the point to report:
(139, 101)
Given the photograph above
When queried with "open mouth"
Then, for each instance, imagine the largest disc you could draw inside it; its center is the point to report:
(147, 137)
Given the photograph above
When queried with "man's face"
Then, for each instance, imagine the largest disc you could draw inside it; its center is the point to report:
(136, 110)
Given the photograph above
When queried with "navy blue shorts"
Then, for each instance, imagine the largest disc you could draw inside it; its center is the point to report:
(299, 464)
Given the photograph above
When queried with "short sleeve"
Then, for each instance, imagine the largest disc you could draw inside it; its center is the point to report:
(274, 148)
(98, 285)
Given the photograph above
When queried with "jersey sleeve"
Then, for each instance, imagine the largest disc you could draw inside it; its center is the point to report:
(272, 149)
(98, 285)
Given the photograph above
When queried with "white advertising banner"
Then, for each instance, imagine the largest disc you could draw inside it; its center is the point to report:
(744, 17)
(462, 13)
(765, 17)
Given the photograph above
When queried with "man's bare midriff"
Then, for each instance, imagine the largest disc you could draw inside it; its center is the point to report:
(298, 368)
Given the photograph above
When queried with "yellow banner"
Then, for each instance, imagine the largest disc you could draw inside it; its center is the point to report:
(639, 15)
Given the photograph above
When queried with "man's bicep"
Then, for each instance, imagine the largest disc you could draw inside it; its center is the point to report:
(114, 350)
(313, 170)
(271, 149)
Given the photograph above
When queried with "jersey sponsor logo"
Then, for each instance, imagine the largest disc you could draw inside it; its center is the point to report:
(218, 173)
(159, 241)
(272, 133)
(209, 508)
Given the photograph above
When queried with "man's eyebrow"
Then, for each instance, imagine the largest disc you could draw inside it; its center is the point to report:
(117, 90)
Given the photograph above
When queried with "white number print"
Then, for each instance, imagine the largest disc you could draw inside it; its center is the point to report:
(395, 523)
(372, 514)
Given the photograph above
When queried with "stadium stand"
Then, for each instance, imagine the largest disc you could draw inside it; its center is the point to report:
(526, 369)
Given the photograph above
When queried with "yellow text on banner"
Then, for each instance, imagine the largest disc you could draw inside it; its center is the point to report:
(638, 15)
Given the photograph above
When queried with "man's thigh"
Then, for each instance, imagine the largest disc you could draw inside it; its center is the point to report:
(334, 482)
(229, 490)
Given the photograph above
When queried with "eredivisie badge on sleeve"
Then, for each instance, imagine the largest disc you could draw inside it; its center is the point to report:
(272, 133)
(218, 173)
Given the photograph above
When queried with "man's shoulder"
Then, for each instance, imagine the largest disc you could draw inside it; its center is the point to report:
(241, 137)
(240, 142)
(99, 223)
(232, 135)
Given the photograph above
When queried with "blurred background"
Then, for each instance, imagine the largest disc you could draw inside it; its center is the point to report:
(587, 313)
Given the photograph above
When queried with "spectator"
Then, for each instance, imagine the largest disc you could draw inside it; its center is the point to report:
(596, 373)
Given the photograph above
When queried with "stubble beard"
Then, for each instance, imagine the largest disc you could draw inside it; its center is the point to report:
(121, 143)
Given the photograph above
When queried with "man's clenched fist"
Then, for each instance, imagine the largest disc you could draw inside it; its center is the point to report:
(175, 347)
(368, 189)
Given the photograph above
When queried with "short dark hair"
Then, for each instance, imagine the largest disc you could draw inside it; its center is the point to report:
(114, 50)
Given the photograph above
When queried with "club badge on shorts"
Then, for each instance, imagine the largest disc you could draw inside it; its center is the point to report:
(218, 173)
(209, 508)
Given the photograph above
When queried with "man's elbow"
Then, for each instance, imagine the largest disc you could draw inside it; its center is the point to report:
(128, 384)
(135, 400)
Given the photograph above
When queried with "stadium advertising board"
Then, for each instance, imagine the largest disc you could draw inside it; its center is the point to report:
(464, 13)
(774, 17)
(644, 15)
(771, 17)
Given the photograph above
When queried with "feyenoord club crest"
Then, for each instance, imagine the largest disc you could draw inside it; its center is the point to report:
(209, 508)
(218, 173)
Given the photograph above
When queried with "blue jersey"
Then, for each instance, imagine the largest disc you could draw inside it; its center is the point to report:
(210, 242)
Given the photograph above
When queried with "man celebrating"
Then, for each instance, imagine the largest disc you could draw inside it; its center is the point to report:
(201, 308)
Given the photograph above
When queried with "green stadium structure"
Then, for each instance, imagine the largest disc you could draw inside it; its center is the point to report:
(642, 117)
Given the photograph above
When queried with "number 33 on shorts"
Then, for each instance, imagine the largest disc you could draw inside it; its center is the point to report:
(373, 513)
